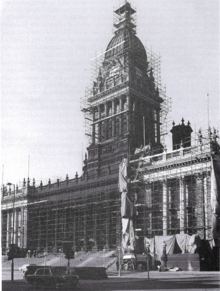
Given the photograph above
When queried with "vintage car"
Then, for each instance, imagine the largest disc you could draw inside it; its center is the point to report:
(53, 277)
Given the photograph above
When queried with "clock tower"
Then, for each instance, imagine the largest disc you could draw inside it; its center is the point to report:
(122, 107)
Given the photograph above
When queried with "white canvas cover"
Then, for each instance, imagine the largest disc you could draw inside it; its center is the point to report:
(122, 182)
(170, 243)
(187, 244)
(215, 194)
(127, 234)
(126, 206)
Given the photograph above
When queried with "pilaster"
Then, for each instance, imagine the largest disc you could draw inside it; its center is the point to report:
(182, 191)
(165, 208)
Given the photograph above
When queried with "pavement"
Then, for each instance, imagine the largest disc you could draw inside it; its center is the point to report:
(187, 280)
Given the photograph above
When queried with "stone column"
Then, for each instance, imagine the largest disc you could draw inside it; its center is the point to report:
(39, 230)
(99, 124)
(25, 227)
(120, 116)
(186, 206)
(74, 230)
(148, 203)
(199, 206)
(128, 113)
(207, 223)
(22, 227)
(47, 229)
(95, 231)
(165, 210)
(16, 225)
(182, 190)
(105, 122)
(8, 236)
(113, 118)
(93, 126)
(55, 230)
(134, 115)
(107, 228)
(19, 228)
(1, 223)
(85, 229)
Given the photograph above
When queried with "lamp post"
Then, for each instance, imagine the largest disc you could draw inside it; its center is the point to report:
(45, 258)
(12, 245)
(119, 262)
(104, 256)
(29, 255)
(164, 258)
(148, 257)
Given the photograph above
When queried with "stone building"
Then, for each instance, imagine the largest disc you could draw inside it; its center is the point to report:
(125, 111)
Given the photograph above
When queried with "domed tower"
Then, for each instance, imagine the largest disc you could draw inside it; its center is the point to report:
(123, 106)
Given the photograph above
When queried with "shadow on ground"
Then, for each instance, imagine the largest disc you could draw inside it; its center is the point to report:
(205, 283)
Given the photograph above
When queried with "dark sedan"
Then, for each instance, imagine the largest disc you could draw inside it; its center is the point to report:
(53, 277)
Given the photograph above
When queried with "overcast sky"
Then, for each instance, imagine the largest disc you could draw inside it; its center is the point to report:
(47, 47)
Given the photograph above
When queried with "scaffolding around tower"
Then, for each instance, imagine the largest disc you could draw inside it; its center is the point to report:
(93, 93)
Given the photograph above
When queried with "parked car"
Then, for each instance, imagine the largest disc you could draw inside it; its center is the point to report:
(53, 277)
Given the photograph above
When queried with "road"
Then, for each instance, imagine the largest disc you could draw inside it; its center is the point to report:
(137, 281)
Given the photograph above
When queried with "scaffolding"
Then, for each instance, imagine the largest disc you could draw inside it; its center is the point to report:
(90, 99)
(110, 73)
(170, 190)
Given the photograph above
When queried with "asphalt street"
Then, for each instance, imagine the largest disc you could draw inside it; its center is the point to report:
(136, 281)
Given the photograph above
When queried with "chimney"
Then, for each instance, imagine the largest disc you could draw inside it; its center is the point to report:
(181, 135)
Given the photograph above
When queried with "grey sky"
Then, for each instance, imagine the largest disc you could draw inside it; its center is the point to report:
(46, 51)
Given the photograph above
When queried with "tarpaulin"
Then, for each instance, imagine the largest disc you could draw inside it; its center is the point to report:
(151, 243)
(182, 241)
(126, 206)
(187, 244)
(127, 234)
(122, 182)
(215, 195)
(193, 243)
(215, 184)
(144, 149)
(131, 234)
(170, 244)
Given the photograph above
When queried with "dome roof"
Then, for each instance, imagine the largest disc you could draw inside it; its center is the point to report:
(125, 39)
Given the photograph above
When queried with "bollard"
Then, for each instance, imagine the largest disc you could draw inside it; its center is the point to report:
(164, 258)
(148, 257)
(119, 262)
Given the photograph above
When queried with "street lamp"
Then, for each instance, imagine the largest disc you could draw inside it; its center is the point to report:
(104, 256)
(13, 221)
(148, 257)
(119, 261)
(45, 258)
(29, 255)
(164, 258)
